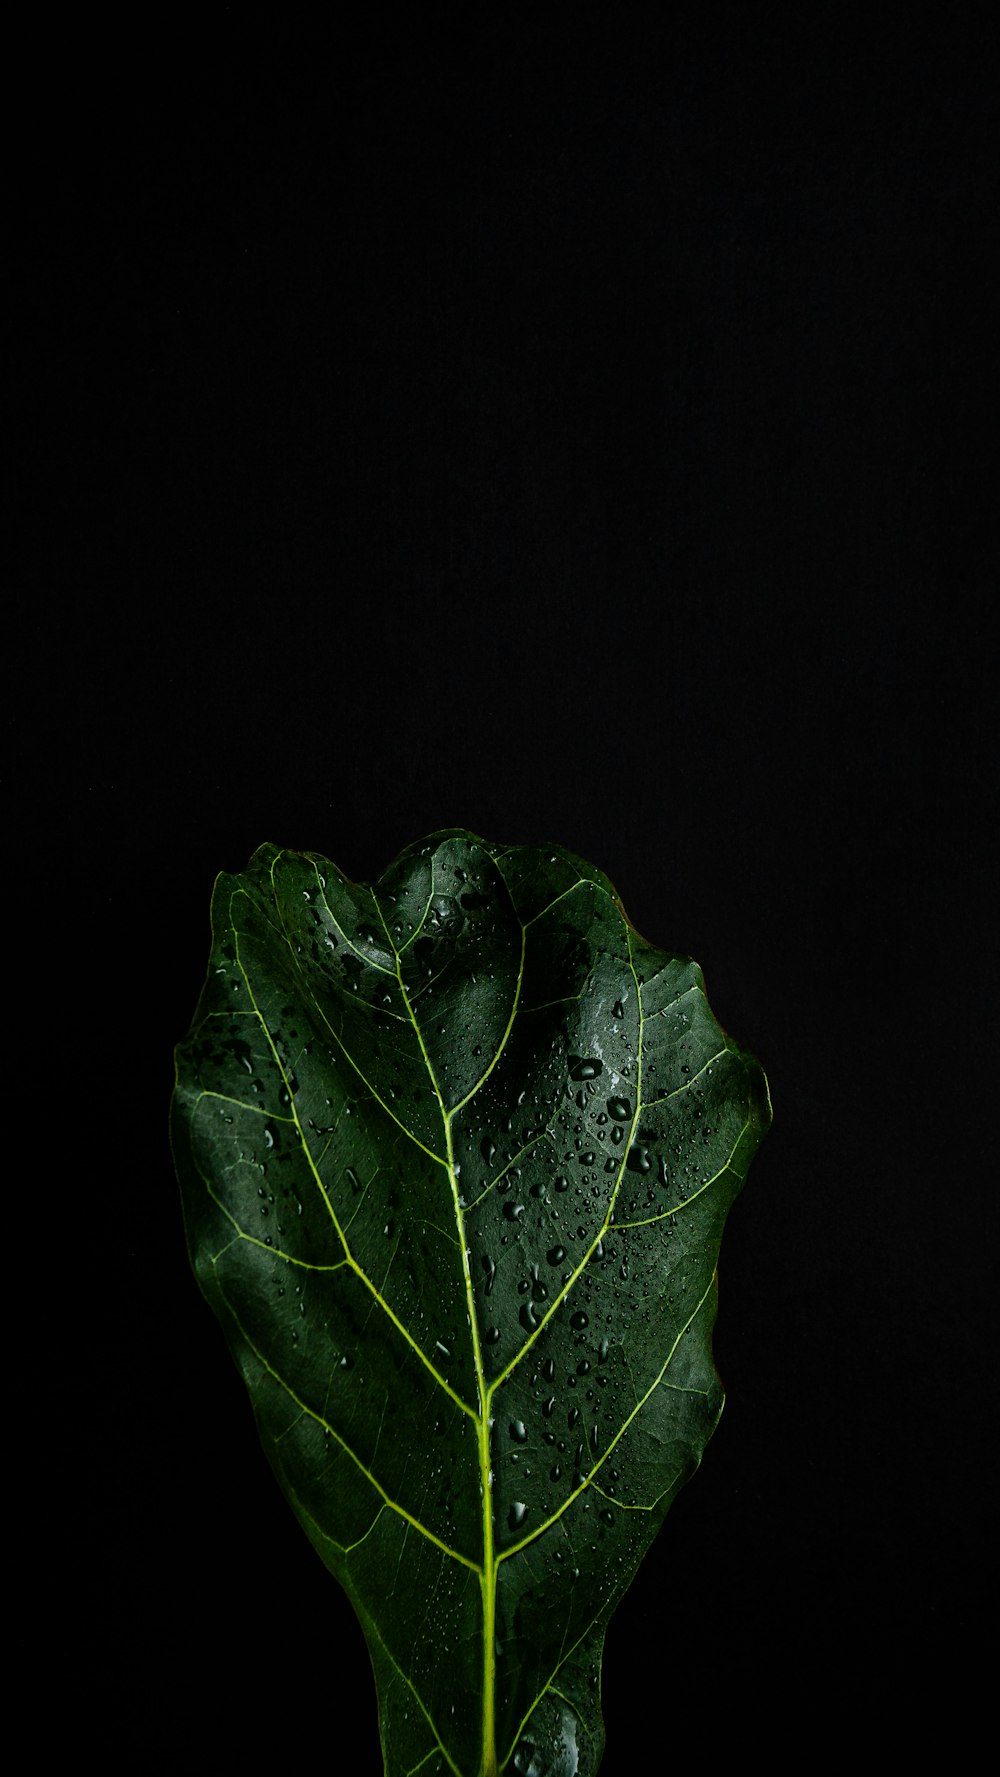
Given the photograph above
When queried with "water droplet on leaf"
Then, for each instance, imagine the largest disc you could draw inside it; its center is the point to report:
(585, 1067)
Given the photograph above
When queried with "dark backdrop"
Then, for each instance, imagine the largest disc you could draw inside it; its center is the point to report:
(574, 438)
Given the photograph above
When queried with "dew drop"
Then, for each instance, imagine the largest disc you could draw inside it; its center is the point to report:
(518, 1431)
(517, 1514)
(585, 1067)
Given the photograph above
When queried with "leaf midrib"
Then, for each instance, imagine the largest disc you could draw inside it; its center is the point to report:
(488, 1571)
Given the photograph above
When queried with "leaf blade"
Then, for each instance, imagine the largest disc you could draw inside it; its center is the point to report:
(456, 1152)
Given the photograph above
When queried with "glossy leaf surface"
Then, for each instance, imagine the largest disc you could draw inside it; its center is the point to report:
(456, 1151)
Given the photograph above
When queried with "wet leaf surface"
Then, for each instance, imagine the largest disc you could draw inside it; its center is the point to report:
(456, 1151)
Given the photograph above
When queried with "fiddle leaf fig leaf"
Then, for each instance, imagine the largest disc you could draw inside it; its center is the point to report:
(456, 1150)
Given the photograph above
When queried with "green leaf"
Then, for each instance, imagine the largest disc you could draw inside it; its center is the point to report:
(456, 1151)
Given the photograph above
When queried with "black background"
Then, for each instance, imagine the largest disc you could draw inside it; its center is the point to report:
(574, 437)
